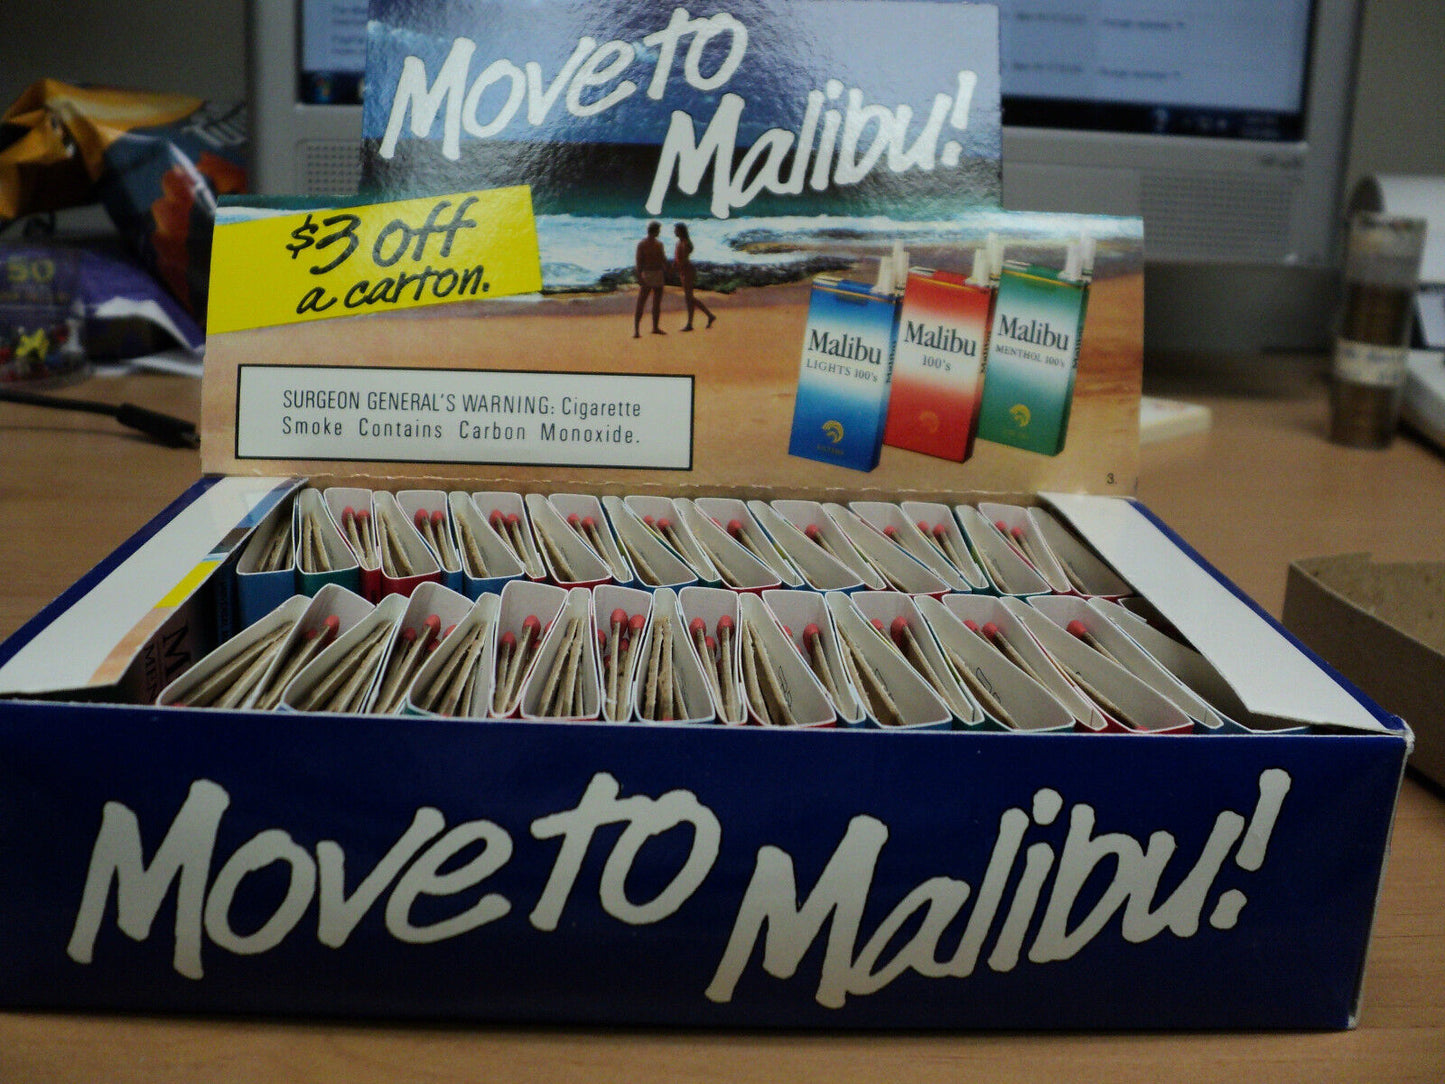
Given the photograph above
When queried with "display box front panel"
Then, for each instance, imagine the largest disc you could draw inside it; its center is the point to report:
(225, 862)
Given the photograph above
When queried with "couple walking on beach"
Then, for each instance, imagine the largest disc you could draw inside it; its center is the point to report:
(652, 277)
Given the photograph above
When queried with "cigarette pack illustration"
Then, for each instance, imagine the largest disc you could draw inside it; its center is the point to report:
(1033, 352)
(938, 361)
(842, 402)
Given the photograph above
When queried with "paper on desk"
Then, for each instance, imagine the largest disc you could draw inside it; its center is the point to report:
(1430, 316)
(1162, 419)
(1423, 406)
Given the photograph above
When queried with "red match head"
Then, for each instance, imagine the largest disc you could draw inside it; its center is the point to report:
(348, 511)
(363, 516)
(940, 531)
(574, 521)
(619, 616)
(588, 523)
(421, 519)
(971, 625)
(810, 633)
(513, 519)
(531, 623)
(432, 621)
(1001, 525)
(496, 518)
(992, 631)
(899, 627)
(890, 532)
(509, 639)
(1077, 628)
(697, 624)
(811, 530)
(735, 526)
(636, 622)
(724, 622)
(663, 523)
(438, 518)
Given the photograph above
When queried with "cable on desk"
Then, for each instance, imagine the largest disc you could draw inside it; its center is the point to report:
(171, 431)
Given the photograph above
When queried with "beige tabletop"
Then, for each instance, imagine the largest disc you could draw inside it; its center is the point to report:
(1259, 488)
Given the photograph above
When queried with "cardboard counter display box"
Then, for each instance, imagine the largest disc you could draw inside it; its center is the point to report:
(218, 861)
(1380, 624)
(204, 860)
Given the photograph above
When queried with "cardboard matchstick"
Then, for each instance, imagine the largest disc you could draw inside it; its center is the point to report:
(476, 565)
(239, 674)
(312, 641)
(405, 663)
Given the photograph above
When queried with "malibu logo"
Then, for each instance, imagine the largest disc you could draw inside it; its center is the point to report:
(1034, 332)
(841, 139)
(938, 337)
(847, 347)
(1057, 876)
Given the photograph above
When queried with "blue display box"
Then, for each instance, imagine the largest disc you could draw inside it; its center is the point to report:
(199, 861)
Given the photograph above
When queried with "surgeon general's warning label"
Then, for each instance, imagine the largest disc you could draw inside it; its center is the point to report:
(459, 416)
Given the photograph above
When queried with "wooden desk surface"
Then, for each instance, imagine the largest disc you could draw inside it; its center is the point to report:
(1261, 488)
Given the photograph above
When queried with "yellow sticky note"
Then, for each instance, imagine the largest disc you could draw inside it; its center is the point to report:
(345, 261)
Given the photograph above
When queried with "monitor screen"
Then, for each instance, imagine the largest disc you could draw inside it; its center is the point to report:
(1225, 69)
(333, 52)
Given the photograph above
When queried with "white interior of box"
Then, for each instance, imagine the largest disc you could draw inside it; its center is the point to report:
(179, 557)
(1270, 674)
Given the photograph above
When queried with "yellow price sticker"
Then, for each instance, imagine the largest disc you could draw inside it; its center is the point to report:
(345, 261)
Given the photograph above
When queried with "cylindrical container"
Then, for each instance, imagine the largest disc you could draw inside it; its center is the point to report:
(1382, 271)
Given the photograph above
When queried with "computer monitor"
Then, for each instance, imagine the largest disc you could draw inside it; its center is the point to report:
(1225, 124)
(305, 64)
